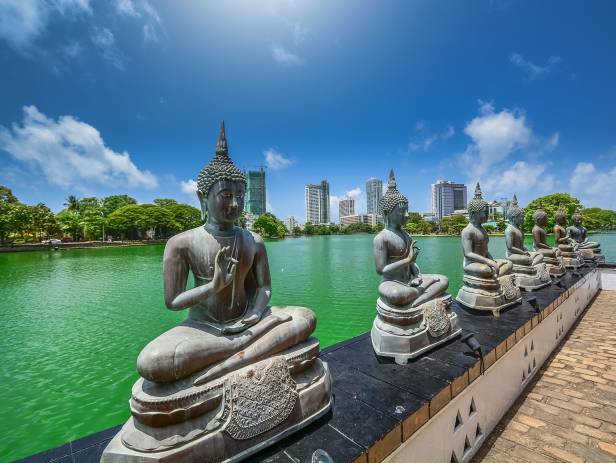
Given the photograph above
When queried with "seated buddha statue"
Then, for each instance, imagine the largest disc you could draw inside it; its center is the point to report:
(488, 282)
(566, 245)
(236, 374)
(551, 255)
(413, 312)
(589, 250)
(528, 267)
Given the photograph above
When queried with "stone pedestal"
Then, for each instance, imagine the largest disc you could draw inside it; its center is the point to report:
(592, 255)
(228, 418)
(406, 332)
(489, 294)
(553, 262)
(571, 259)
(531, 277)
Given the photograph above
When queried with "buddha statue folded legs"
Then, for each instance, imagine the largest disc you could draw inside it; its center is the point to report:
(237, 375)
(568, 248)
(551, 255)
(413, 313)
(489, 283)
(589, 250)
(528, 267)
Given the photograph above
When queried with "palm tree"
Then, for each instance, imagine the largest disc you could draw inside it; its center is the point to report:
(72, 203)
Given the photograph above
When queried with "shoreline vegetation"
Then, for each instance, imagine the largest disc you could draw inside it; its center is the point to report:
(118, 220)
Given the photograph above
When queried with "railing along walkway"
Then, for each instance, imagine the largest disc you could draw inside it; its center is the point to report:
(568, 412)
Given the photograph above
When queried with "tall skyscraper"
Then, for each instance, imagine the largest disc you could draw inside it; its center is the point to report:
(346, 207)
(447, 197)
(374, 193)
(255, 192)
(317, 203)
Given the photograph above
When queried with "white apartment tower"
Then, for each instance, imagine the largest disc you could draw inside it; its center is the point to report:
(447, 197)
(346, 207)
(317, 203)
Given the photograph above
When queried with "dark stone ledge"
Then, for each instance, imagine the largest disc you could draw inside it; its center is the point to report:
(377, 403)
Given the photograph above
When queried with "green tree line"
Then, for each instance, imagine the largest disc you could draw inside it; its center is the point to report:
(94, 218)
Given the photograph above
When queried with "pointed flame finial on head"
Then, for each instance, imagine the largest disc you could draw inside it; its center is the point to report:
(221, 144)
(478, 192)
(514, 201)
(515, 210)
(392, 179)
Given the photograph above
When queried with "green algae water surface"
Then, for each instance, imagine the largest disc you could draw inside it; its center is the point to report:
(74, 321)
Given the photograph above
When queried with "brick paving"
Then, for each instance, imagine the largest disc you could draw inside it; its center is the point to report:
(568, 412)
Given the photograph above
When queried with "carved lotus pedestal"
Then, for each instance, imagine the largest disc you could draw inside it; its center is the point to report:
(553, 262)
(571, 259)
(493, 294)
(592, 255)
(228, 418)
(406, 332)
(531, 277)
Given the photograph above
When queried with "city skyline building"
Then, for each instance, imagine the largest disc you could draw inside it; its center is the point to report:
(256, 202)
(346, 207)
(317, 203)
(290, 222)
(374, 193)
(447, 197)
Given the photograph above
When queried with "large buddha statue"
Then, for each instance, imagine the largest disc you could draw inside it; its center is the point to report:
(237, 374)
(413, 312)
(566, 245)
(488, 282)
(590, 250)
(551, 255)
(528, 267)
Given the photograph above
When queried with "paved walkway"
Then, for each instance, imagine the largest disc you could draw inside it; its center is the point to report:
(568, 412)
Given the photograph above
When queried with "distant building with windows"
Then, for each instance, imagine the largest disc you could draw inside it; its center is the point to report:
(290, 223)
(447, 197)
(346, 207)
(357, 218)
(374, 193)
(255, 202)
(317, 203)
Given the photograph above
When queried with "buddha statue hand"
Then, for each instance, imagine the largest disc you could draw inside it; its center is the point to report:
(416, 282)
(224, 269)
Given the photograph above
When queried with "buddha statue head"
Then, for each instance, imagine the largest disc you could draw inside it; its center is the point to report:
(393, 205)
(540, 216)
(560, 217)
(576, 218)
(221, 186)
(478, 208)
(515, 213)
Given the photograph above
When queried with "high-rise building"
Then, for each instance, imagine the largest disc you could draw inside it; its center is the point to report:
(290, 223)
(374, 193)
(447, 197)
(346, 207)
(255, 192)
(317, 203)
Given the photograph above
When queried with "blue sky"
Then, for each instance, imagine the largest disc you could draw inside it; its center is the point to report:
(126, 96)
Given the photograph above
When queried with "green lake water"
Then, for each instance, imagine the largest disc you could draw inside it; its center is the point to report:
(74, 321)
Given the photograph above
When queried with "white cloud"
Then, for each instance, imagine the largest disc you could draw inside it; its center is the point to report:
(284, 57)
(594, 187)
(494, 137)
(143, 11)
(519, 178)
(276, 160)
(72, 50)
(425, 139)
(531, 69)
(189, 186)
(299, 33)
(104, 40)
(22, 22)
(70, 153)
(354, 193)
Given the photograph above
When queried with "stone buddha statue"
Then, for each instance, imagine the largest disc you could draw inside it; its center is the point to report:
(566, 245)
(413, 313)
(528, 267)
(589, 250)
(488, 282)
(551, 255)
(237, 375)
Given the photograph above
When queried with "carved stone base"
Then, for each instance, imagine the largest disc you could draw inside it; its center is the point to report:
(238, 415)
(592, 255)
(493, 295)
(405, 334)
(572, 260)
(531, 277)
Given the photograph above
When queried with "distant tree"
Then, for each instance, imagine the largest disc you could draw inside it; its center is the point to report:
(309, 229)
(596, 218)
(69, 222)
(165, 202)
(72, 203)
(43, 221)
(7, 196)
(110, 204)
(550, 204)
(378, 227)
(268, 226)
(185, 216)
(415, 217)
(297, 231)
(88, 203)
(489, 228)
(333, 228)
(357, 228)
(453, 224)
